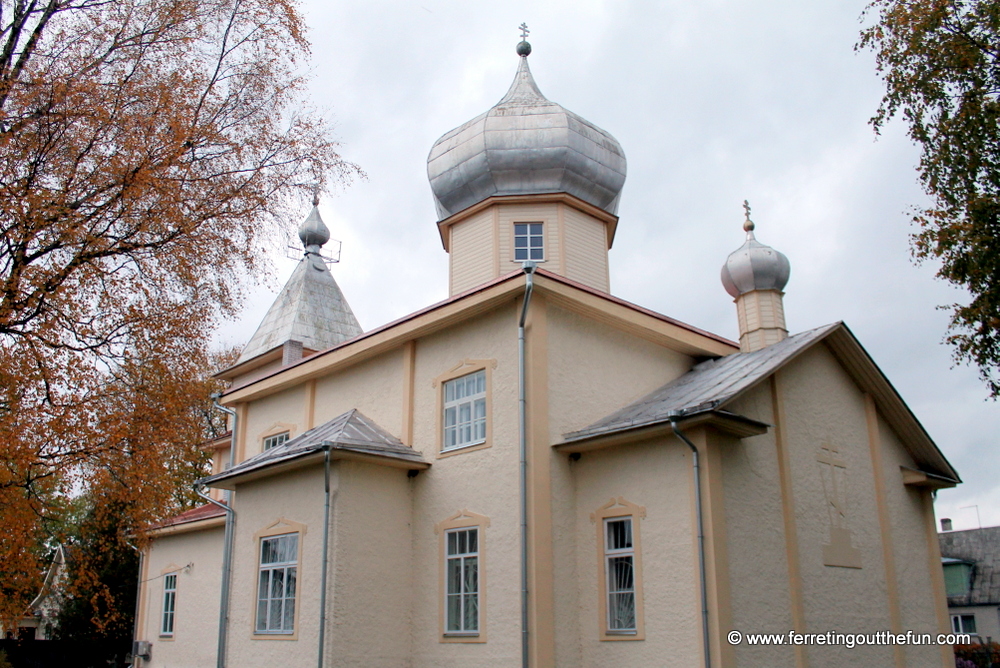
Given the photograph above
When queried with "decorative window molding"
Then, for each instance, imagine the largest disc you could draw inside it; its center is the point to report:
(619, 568)
(456, 556)
(277, 599)
(274, 441)
(477, 422)
(529, 242)
(168, 610)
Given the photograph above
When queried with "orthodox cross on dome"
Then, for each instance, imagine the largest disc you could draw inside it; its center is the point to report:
(747, 224)
(524, 31)
(523, 47)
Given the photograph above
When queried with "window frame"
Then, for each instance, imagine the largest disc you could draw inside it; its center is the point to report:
(275, 429)
(462, 521)
(169, 596)
(958, 622)
(463, 557)
(285, 436)
(281, 527)
(529, 235)
(619, 509)
(464, 368)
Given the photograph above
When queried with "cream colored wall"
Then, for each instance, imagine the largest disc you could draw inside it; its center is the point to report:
(472, 251)
(823, 406)
(371, 577)
(586, 249)
(259, 372)
(297, 496)
(593, 370)
(482, 481)
(481, 246)
(987, 619)
(374, 387)
(196, 619)
(654, 474)
(265, 415)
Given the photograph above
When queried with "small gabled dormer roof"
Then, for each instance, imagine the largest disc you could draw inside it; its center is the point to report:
(310, 309)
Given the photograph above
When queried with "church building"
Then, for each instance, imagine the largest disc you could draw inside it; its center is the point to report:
(537, 473)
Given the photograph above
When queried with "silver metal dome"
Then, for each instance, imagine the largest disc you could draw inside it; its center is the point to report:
(525, 145)
(314, 231)
(754, 266)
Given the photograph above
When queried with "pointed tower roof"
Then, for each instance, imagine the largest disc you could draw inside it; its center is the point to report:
(310, 309)
(525, 145)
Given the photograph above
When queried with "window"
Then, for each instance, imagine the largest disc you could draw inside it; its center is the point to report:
(462, 576)
(276, 440)
(963, 624)
(465, 411)
(169, 604)
(276, 584)
(529, 241)
(619, 570)
(957, 578)
(619, 567)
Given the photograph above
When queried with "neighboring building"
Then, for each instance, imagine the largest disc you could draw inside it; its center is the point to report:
(40, 621)
(378, 481)
(971, 561)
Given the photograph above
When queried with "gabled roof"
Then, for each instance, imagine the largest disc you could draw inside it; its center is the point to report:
(711, 385)
(562, 291)
(348, 436)
(310, 309)
(981, 548)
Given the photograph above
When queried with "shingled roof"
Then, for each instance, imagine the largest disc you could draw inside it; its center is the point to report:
(981, 548)
(709, 387)
(351, 433)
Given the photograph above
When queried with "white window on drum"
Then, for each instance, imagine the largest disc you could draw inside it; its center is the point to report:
(529, 241)
(277, 584)
(465, 411)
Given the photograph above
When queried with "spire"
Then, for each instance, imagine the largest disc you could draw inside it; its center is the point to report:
(310, 312)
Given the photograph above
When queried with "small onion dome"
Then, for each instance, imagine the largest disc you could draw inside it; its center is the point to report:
(754, 266)
(525, 145)
(314, 231)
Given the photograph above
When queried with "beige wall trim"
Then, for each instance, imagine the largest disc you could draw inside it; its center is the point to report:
(541, 596)
(937, 575)
(620, 508)
(409, 369)
(496, 241)
(240, 436)
(788, 517)
(885, 527)
(143, 593)
(188, 527)
(464, 519)
(310, 404)
(563, 246)
(569, 294)
(610, 220)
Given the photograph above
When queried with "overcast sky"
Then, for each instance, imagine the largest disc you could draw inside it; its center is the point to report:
(714, 102)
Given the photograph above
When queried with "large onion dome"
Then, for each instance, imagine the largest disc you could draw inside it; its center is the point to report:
(754, 266)
(525, 145)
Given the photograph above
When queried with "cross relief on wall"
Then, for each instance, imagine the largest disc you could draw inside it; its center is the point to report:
(833, 472)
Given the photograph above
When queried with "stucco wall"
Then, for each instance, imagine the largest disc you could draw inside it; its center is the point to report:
(374, 387)
(296, 498)
(277, 412)
(196, 619)
(371, 574)
(987, 619)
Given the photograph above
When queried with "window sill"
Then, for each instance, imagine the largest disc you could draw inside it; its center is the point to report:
(620, 633)
(459, 449)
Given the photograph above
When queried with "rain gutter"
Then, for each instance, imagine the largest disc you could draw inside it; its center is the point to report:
(529, 270)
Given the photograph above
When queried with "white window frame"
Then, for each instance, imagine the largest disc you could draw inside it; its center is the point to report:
(958, 624)
(287, 570)
(274, 440)
(467, 561)
(457, 431)
(169, 611)
(529, 232)
(613, 589)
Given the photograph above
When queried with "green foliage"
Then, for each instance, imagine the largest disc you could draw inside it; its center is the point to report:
(940, 60)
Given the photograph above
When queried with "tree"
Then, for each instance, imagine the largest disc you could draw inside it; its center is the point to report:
(148, 148)
(940, 60)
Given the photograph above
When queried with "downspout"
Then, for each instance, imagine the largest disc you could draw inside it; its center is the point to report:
(227, 550)
(138, 601)
(227, 558)
(674, 415)
(529, 270)
(326, 551)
